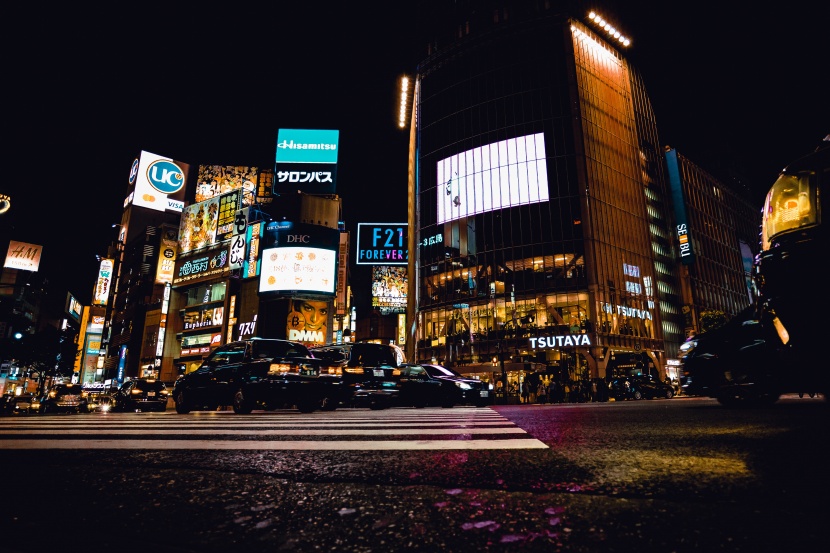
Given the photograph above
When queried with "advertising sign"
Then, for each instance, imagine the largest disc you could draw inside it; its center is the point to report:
(102, 286)
(496, 176)
(382, 244)
(306, 160)
(389, 285)
(308, 321)
(167, 257)
(73, 307)
(215, 180)
(160, 182)
(307, 146)
(23, 256)
(299, 258)
(209, 222)
(213, 263)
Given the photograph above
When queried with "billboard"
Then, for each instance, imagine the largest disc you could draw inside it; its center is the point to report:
(496, 176)
(23, 256)
(306, 160)
(167, 256)
(215, 180)
(308, 321)
(382, 244)
(389, 284)
(160, 182)
(208, 223)
(299, 258)
(73, 307)
(102, 285)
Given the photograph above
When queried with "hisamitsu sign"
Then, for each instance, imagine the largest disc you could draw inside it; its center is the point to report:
(382, 244)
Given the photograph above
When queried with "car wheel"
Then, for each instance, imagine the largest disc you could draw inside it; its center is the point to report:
(328, 404)
(241, 406)
(637, 394)
(182, 407)
(307, 406)
(669, 394)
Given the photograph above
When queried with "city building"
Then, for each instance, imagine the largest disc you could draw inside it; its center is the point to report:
(540, 211)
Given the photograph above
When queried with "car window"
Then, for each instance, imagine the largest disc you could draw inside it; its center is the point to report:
(271, 349)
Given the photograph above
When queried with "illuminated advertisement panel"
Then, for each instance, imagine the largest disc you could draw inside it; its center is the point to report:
(308, 321)
(214, 263)
(299, 258)
(382, 244)
(73, 307)
(306, 160)
(682, 227)
(167, 258)
(215, 180)
(307, 146)
(496, 176)
(160, 182)
(209, 222)
(23, 256)
(389, 284)
(102, 285)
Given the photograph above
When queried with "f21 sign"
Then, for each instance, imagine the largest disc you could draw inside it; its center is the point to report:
(382, 244)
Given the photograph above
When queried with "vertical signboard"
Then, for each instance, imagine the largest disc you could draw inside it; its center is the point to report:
(102, 285)
(684, 241)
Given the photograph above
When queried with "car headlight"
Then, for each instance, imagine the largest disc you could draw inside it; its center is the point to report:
(688, 346)
(463, 385)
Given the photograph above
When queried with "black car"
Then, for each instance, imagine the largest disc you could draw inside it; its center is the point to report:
(653, 388)
(623, 388)
(64, 398)
(258, 373)
(22, 404)
(422, 384)
(737, 363)
(142, 394)
(366, 374)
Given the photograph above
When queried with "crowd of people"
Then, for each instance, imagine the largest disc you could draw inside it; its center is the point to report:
(568, 391)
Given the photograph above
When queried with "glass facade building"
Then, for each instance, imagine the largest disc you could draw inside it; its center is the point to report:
(543, 225)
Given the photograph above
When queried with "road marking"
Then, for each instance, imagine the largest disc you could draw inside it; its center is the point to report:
(464, 429)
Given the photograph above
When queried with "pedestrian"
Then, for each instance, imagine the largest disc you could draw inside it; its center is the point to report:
(525, 392)
(594, 390)
(542, 392)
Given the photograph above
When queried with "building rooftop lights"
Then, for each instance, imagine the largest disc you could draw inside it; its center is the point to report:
(609, 29)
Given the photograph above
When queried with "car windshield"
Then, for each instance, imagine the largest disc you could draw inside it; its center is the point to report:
(271, 349)
(372, 355)
(337, 355)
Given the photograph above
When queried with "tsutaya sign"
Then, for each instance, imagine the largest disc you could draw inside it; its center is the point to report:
(567, 340)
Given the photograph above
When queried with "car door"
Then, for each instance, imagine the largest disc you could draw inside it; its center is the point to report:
(417, 388)
(224, 380)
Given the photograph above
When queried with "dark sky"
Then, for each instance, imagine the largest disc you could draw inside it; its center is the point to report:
(87, 91)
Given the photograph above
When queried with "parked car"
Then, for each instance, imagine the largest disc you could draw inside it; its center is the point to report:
(64, 398)
(653, 388)
(427, 384)
(22, 404)
(257, 373)
(141, 394)
(623, 388)
(364, 374)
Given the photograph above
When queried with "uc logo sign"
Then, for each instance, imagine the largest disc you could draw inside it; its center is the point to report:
(133, 171)
(165, 176)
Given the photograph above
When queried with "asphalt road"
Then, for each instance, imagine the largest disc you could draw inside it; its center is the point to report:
(663, 475)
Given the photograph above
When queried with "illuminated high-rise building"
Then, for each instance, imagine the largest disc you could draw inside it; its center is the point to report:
(539, 203)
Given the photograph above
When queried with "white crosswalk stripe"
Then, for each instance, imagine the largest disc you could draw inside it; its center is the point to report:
(345, 429)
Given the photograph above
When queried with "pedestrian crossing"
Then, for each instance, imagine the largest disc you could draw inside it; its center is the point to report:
(459, 428)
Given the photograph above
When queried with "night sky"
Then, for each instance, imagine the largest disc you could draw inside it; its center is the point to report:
(87, 91)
